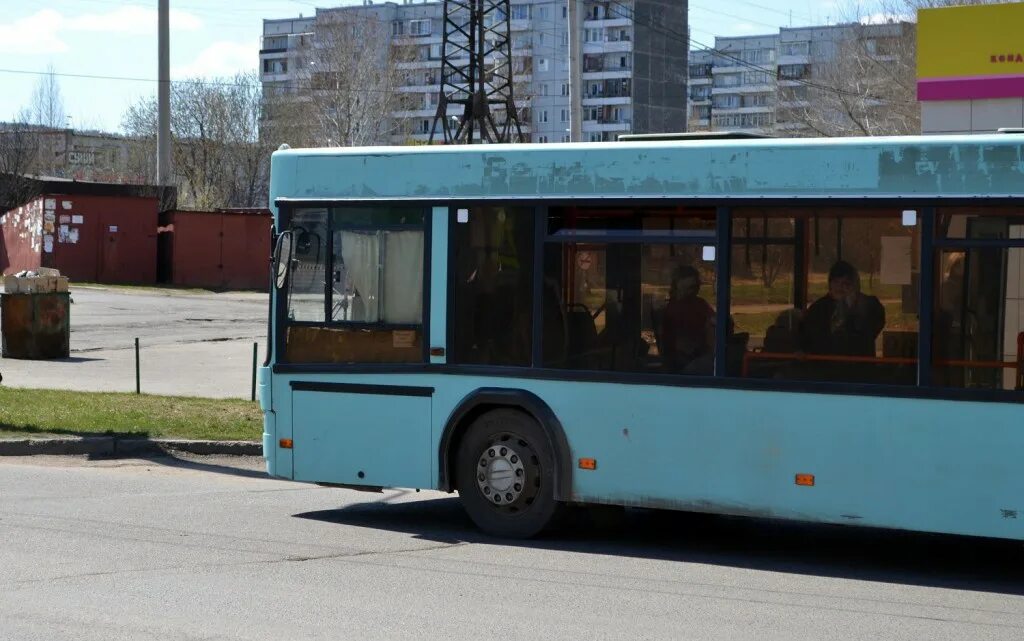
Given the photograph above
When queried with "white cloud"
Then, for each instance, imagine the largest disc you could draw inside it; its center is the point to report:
(220, 59)
(132, 19)
(40, 32)
(32, 35)
(745, 27)
(881, 18)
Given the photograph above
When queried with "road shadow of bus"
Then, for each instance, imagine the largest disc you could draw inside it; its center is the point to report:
(865, 554)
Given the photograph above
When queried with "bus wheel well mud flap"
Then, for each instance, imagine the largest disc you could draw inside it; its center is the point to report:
(485, 400)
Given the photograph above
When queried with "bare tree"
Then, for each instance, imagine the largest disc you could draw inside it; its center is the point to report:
(866, 83)
(19, 150)
(347, 85)
(47, 106)
(219, 157)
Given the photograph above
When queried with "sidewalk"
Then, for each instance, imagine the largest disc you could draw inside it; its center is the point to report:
(214, 369)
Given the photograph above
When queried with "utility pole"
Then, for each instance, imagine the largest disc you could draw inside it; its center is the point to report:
(163, 136)
(476, 72)
(575, 27)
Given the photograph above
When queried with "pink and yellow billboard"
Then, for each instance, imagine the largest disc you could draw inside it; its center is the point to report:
(970, 52)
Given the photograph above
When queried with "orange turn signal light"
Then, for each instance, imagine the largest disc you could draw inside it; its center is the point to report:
(285, 443)
(805, 479)
(588, 463)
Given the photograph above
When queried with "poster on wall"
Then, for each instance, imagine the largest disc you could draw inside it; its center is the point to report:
(897, 260)
(48, 244)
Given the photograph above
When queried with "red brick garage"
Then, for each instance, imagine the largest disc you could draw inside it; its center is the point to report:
(91, 232)
(222, 249)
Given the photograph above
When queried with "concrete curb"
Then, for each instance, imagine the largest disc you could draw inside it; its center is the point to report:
(116, 447)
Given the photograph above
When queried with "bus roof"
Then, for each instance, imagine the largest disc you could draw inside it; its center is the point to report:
(927, 166)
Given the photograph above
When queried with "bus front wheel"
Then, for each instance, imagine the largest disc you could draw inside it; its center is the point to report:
(505, 474)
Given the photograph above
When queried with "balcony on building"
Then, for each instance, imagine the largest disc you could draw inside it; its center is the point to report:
(607, 14)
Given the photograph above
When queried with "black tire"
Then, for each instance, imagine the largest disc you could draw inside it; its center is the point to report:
(495, 449)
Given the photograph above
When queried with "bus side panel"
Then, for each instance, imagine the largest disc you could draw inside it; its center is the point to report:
(940, 466)
(361, 439)
(902, 463)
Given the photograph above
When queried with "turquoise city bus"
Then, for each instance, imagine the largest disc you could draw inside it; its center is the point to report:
(821, 330)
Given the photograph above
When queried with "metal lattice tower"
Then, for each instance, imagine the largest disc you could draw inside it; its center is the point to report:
(476, 72)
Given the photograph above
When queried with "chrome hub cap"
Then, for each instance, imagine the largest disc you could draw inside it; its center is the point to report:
(500, 474)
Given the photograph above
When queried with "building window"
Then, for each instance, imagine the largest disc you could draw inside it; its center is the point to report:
(758, 56)
(702, 70)
(543, 89)
(623, 62)
(397, 28)
(757, 100)
(796, 48)
(701, 112)
(565, 115)
(700, 92)
(793, 72)
(594, 136)
(419, 27)
(275, 65)
(565, 137)
(542, 115)
(565, 88)
(728, 80)
(520, 12)
(726, 101)
(542, 64)
(757, 78)
(542, 139)
(434, 52)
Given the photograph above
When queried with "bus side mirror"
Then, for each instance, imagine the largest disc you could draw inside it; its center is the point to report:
(282, 258)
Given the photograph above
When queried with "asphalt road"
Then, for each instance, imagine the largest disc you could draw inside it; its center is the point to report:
(196, 344)
(103, 319)
(211, 549)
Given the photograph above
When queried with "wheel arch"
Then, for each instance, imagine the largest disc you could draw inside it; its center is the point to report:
(486, 399)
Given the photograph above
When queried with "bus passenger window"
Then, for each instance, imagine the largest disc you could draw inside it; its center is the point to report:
(978, 331)
(492, 285)
(366, 266)
(826, 295)
(624, 293)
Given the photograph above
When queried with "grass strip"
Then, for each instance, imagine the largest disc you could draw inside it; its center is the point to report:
(38, 412)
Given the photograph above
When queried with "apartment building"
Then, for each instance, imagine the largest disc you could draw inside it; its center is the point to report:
(632, 73)
(762, 83)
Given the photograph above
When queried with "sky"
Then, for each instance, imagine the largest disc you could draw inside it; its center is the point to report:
(115, 41)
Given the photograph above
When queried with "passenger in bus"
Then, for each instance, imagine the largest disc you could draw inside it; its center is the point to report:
(685, 321)
(783, 336)
(844, 322)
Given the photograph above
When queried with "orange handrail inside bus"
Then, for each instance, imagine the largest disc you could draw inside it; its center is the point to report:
(890, 360)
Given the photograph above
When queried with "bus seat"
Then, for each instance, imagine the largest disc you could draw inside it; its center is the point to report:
(582, 336)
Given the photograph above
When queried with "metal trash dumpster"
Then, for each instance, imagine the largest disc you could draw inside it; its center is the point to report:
(35, 325)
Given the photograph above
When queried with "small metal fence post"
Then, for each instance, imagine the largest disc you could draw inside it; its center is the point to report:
(255, 352)
(138, 385)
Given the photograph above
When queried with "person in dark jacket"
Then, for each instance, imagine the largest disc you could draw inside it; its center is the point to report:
(844, 322)
(684, 325)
